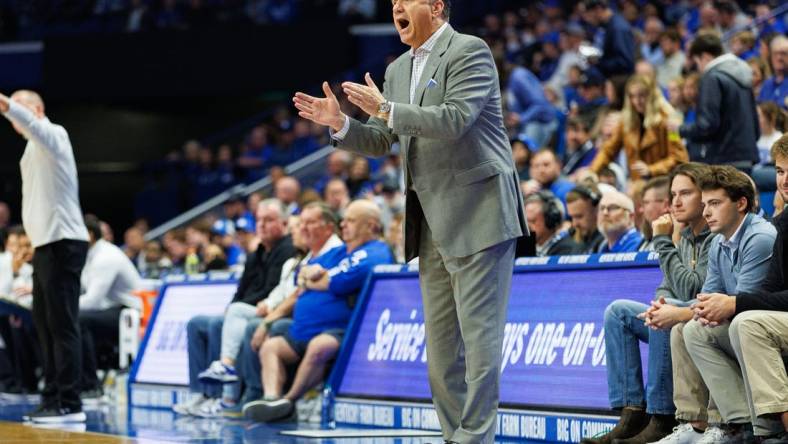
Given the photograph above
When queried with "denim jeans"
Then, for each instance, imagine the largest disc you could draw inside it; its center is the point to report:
(204, 338)
(248, 365)
(623, 334)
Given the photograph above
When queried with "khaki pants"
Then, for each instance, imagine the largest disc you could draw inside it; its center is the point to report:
(760, 341)
(690, 394)
(714, 356)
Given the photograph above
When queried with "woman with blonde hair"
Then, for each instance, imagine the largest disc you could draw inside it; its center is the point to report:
(651, 149)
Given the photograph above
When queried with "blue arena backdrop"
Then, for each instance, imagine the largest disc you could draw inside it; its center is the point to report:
(554, 351)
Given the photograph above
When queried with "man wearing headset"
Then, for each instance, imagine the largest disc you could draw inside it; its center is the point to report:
(544, 213)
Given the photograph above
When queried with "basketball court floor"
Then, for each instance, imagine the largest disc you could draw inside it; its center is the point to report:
(109, 423)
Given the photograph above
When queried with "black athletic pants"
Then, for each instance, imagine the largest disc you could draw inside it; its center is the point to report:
(57, 267)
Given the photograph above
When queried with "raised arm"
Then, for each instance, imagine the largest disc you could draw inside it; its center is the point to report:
(40, 130)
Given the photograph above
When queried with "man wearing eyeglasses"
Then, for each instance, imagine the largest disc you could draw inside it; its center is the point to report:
(616, 221)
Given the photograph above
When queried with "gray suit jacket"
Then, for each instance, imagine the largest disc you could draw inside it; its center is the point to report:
(456, 154)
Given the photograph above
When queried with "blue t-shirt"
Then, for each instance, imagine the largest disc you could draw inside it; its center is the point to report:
(628, 243)
(318, 311)
(771, 91)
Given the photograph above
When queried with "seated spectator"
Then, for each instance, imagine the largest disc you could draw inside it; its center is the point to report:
(155, 264)
(359, 183)
(759, 327)
(651, 149)
(204, 333)
(22, 351)
(134, 241)
(774, 88)
(655, 203)
(288, 191)
(317, 232)
(108, 280)
(670, 68)
(328, 284)
(223, 234)
(580, 149)
(592, 93)
(647, 413)
(337, 196)
(650, 48)
(581, 204)
(256, 155)
(760, 70)
(546, 175)
(521, 152)
(304, 143)
(675, 95)
(530, 114)
(738, 262)
(616, 221)
(545, 215)
(743, 45)
(773, 122)
(337, 165)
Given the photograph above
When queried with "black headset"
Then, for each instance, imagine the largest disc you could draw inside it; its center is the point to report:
(552, 209)
(588, 193)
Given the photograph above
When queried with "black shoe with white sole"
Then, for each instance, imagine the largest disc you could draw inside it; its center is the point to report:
(58, 416)
(269, 410)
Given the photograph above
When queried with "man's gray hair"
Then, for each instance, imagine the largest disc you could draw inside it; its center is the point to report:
(446, 8)
(281, 207)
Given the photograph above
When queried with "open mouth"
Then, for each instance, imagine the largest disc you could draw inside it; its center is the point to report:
(403, 23)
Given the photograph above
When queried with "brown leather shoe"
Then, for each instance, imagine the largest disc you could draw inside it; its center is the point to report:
(658, 427)
(632, 422)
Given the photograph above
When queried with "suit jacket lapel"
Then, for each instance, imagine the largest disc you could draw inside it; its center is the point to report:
(433, 62)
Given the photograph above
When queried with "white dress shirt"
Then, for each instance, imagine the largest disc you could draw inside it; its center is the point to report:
(108, 279)
(6, 274)
(50, 193)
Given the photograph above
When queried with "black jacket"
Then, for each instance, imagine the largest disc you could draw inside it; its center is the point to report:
(618, 49)
(726, 122)
(773, 294)
(262, 271)
(563, 247)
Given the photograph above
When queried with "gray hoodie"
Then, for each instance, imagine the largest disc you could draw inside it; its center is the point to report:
(683, 267)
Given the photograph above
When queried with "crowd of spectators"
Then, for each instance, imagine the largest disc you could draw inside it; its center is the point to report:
(605, 103)
(26, 19)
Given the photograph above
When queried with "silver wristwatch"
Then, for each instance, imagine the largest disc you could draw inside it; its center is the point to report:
(384, 107)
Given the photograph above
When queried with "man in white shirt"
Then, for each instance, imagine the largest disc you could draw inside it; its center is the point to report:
(108, 280)
(52, 217)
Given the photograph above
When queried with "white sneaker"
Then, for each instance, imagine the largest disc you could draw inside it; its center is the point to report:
(716, 435)
(211, 408)
(682, 434)
(185, 408)
(218, 373)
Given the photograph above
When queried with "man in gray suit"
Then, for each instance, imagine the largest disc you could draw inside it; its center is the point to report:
(441, 101)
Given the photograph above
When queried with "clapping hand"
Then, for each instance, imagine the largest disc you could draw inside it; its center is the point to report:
(324, 111)
(367, 97)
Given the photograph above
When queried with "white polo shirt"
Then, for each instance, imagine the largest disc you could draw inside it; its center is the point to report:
(50, 191)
